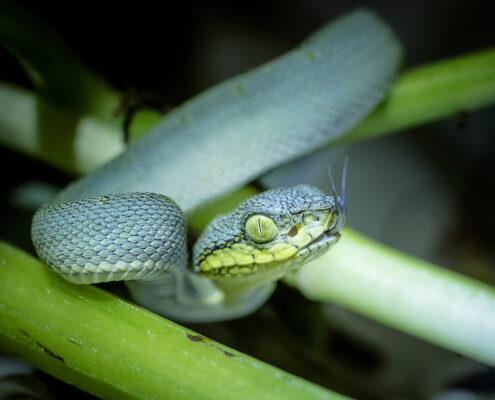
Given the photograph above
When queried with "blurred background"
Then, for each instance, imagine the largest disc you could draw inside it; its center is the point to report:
(427, 191)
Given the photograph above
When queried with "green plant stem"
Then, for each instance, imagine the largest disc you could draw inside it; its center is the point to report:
(75, 142)
(406, 293)
(431, 92)
(115, 349)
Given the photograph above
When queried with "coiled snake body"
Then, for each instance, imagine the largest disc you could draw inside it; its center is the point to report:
(113, 225)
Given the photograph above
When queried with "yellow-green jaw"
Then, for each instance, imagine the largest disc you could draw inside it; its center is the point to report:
(269, 251)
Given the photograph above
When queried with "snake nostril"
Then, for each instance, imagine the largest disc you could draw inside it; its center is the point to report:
(293, 231)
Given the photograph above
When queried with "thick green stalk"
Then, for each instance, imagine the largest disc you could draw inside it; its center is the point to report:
(431, 92)
(117, 350)
(75, 142)
(406, 293)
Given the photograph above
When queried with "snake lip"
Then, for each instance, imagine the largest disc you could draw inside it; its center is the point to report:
(328, 237)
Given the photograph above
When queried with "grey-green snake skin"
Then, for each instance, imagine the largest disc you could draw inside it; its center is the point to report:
(113, 225)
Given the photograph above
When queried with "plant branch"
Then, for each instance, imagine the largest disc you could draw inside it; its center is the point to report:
(75, 142)
(115, 349)
(406, 293)
(432, 92)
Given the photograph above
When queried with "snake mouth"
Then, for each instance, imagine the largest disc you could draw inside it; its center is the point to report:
(322, 242)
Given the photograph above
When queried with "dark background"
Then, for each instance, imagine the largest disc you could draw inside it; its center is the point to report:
(168, 47)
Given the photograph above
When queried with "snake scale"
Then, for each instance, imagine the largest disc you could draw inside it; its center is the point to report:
(120, 222)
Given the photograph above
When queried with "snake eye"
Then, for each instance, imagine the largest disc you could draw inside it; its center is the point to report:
(261, 229)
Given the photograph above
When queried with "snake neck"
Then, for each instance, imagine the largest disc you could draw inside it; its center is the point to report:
(187, 297)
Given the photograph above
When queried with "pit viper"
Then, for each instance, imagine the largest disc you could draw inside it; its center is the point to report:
(125, 221)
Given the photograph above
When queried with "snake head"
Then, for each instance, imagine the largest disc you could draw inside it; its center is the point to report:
(270, 234)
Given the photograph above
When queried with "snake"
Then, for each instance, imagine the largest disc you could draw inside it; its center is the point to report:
(127, 220)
